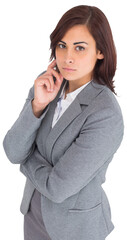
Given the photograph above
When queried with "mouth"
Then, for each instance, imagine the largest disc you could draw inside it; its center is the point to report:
(69, 69)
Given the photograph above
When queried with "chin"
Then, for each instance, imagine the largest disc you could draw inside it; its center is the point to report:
(69, 76)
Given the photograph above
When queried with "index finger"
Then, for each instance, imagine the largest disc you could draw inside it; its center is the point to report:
(52, 64)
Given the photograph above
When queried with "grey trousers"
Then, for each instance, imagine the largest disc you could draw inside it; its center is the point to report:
(34, 228)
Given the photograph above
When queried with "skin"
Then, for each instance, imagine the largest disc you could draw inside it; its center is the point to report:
(75, 62)
(80, 57)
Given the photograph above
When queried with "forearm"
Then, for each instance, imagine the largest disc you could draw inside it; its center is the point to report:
(19, 140)
(37, 169)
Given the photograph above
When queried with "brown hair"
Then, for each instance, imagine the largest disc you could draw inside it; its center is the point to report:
(99, 27)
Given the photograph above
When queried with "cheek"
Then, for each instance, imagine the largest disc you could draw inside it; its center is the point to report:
(86, 65)
(88, 61)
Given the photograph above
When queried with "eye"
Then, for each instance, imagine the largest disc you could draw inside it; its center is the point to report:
(80, 48)
(60, 45)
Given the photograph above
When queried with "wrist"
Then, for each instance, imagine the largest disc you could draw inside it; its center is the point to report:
(37, 108)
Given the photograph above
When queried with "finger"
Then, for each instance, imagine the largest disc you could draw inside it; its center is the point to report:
(59, 80)
(51, 80)
(52, 64)
(50, 77)
(45, 82)
(52, 71)
(57, 75)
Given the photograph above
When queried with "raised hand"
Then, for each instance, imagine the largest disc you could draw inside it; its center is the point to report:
(45, 89)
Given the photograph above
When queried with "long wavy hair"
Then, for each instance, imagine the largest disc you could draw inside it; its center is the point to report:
(98, 26)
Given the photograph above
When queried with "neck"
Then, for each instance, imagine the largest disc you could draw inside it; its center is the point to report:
(75, 84)
(72, 86)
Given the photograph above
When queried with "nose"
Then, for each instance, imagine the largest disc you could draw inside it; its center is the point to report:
(69, 59)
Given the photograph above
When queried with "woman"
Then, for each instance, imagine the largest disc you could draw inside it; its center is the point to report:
(68, 131)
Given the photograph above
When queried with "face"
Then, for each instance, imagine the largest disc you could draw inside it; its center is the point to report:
(76, 55)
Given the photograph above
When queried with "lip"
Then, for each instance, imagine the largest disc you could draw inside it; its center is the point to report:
(69, 69)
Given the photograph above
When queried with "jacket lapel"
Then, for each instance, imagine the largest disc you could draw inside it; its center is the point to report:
(82, 100)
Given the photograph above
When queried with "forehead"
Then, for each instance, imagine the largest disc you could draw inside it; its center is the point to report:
(78, 33)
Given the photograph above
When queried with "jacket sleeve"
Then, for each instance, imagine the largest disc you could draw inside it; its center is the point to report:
(96, 144)
(19, 141)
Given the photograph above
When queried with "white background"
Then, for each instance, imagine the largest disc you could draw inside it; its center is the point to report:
(25, 26)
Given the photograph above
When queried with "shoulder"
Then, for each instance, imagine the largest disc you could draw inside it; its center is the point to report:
(97, 96)
(100, 105)
(105, 98)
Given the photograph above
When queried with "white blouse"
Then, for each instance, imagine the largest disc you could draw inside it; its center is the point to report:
(63, 104)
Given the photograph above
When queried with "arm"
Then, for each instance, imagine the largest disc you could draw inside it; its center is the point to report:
(19, 140)
(98, 140)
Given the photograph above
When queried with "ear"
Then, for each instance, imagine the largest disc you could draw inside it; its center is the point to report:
(100, 55)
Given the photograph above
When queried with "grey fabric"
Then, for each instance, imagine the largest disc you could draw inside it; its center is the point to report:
(67, 163)
(34, 228)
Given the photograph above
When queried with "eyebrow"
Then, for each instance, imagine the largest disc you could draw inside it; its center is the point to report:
(75, 42)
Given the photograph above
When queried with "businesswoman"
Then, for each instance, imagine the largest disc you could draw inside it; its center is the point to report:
(68, 132)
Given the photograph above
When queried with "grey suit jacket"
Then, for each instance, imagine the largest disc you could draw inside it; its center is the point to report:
(67, 163)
